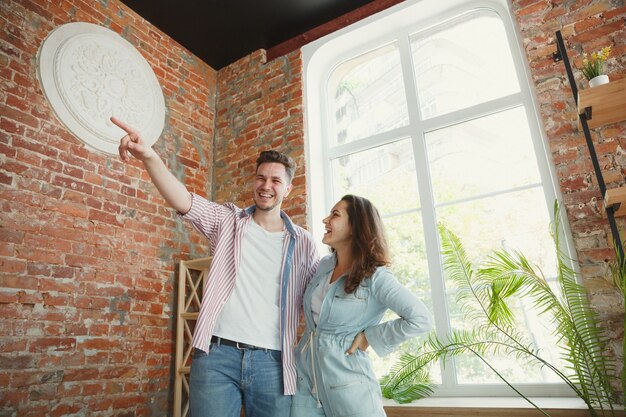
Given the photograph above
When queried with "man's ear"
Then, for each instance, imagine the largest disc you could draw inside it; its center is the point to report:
(289, 188)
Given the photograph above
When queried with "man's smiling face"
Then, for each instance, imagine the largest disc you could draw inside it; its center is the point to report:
(271, 186)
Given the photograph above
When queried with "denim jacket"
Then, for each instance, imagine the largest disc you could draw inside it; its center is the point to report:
(344, 385)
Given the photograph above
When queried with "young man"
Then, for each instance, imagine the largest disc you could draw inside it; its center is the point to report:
(262, 262)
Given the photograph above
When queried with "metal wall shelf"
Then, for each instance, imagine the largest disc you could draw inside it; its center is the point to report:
(596, 107)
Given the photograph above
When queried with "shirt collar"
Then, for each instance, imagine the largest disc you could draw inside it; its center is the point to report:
(288, 224)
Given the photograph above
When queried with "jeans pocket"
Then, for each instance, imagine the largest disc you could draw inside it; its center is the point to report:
(275, 355)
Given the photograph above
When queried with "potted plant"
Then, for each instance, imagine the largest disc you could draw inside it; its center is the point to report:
(484, 295)
(593, 67)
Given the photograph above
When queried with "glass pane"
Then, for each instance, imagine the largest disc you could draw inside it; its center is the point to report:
(405, 234)
(515, 221)
(366, 95)
(493, 153)
(385, 175)
(463, 63)
(537, 330)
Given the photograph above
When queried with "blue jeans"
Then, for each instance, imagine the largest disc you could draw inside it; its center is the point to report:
(221, 381)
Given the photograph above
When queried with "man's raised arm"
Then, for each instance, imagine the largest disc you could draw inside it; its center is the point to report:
(172, 190)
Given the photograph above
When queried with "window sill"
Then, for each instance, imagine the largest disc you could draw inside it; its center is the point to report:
(490, 407)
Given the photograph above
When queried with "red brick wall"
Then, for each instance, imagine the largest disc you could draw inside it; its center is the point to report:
(259, 107)
(586, 26)
(87, 247)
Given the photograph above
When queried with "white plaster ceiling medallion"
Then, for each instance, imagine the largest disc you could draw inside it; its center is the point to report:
(88, 74)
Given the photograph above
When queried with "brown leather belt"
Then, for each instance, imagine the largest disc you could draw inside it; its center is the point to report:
(238, 345)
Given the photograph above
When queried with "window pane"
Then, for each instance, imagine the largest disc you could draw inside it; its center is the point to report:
(516, 221)
(405, 234)
(493, 153)
(463, 63)
(367, 95)
(538, 330)
(408, 252)
(385, 175)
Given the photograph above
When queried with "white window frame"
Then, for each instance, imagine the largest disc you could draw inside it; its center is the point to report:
(397, 23)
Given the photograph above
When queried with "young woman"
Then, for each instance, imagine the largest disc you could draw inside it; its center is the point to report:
(343, 306)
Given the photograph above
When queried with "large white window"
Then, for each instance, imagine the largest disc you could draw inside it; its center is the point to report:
(426, 109)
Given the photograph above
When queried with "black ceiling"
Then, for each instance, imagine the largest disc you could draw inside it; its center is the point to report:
(222, 31)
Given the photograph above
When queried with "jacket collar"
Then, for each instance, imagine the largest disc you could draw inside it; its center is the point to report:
(328, 264)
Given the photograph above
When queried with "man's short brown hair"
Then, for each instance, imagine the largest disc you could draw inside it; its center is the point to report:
(281, 158)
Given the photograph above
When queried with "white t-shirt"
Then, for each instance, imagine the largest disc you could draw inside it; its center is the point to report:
(252, 313)
(317, 298)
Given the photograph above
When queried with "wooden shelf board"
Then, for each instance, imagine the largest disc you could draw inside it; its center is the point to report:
(607, 102)
(198, 264)
(616, 196)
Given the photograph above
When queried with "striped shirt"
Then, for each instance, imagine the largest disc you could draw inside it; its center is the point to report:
(225, 225)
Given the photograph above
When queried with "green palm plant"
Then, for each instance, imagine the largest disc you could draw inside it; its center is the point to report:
(617, 270)
(484, 295)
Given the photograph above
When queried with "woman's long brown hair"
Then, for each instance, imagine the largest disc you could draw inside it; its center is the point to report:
(369, 244)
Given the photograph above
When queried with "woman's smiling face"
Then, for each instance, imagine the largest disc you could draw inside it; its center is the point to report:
(338, 229)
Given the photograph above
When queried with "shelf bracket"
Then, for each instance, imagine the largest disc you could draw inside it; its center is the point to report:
(561, 54)
(587, 113)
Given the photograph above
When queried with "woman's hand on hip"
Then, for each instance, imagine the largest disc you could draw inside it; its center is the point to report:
(360, 342)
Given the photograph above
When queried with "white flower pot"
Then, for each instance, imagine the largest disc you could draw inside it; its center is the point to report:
(599, 80)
